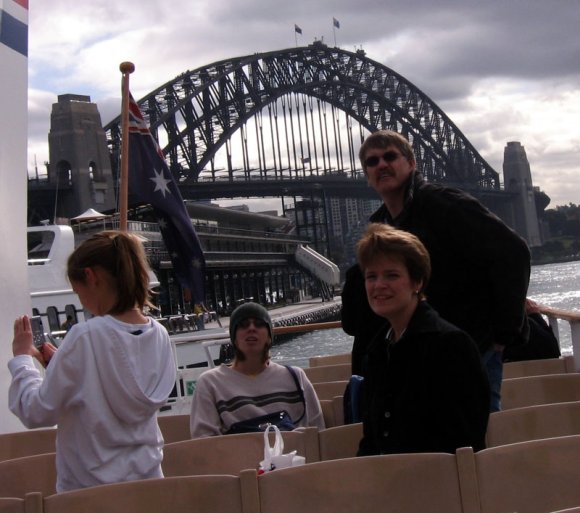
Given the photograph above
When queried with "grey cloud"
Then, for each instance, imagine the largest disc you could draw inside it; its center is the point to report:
(450, 49)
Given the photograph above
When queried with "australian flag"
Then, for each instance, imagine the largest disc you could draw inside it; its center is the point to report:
(151, 181)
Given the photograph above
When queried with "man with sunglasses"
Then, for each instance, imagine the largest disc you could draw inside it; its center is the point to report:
(480, 267)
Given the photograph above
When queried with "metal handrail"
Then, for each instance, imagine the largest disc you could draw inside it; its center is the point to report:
(570, 316)
(209, 340)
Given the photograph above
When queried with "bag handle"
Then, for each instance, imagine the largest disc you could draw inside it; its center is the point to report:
(278, 448)
(299, 389)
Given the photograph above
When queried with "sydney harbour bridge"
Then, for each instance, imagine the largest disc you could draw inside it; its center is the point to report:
(288, 124)
(283, 126)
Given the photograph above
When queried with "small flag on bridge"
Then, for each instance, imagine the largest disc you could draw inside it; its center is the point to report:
(297, 29)
(336, 23)
(151, 181)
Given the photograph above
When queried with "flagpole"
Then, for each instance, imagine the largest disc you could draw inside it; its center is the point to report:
(126, 69)
(335, 25)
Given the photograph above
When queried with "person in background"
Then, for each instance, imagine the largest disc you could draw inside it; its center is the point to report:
(110, 375)
(252, 385)
(200, 313)
(425, 388)
(542, 342)
(480, 267)
(67, 324)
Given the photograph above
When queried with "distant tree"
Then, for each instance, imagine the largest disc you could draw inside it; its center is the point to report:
(575, 246)
(564, 228)
(573, 228)
(556, 220)
(564, 220)
(553, 246)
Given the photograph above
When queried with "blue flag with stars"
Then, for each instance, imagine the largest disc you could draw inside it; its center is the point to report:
(151, 181)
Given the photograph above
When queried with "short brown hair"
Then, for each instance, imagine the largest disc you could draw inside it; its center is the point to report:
(122, 256)
(384, 139)
(382, 239)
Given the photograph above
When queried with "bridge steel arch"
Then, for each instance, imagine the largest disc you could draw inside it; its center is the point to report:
(196, 113)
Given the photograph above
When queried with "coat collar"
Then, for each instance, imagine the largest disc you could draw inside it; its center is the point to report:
(425, 321)
(383, 215)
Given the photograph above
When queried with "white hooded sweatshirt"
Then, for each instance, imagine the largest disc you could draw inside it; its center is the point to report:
(103, 388)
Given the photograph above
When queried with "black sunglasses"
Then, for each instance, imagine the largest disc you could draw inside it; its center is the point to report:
(258, 323)
(389, 156)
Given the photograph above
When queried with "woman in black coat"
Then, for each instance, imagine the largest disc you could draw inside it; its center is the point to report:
(425, 388)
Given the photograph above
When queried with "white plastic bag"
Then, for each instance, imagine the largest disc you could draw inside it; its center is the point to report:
(274, 457)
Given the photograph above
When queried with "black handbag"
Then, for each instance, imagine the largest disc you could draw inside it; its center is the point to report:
(280, 419)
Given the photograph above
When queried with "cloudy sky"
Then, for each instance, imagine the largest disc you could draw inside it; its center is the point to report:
(502, 70)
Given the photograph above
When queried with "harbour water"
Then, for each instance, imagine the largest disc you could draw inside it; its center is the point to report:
(556, 285)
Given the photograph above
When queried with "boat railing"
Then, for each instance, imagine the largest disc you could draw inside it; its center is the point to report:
(38, 261)
(572, 317)
(187, 377)
(278, 330)
(201, 228)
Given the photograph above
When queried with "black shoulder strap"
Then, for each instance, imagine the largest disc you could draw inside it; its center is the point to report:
(299, 388)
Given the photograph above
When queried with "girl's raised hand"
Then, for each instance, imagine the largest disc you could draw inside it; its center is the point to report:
(22, 341)
(48, 351)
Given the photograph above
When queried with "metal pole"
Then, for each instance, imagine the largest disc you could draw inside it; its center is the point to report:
(126, 69)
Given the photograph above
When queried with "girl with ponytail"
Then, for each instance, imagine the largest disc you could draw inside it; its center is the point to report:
(108, 378)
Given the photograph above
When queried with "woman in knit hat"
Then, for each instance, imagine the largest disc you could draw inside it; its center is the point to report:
(252, 386)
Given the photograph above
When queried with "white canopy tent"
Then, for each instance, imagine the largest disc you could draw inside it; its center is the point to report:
(90, 215)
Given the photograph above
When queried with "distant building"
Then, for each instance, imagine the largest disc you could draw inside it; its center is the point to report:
(348, 217)
(518, 179)
(311, 223)
(79, 175)
(79, 155)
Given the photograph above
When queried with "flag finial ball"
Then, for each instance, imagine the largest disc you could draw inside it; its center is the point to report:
(127, 67)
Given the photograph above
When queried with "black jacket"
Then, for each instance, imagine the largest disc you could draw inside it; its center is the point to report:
(480, 267)
(542, 343)
(428, 392)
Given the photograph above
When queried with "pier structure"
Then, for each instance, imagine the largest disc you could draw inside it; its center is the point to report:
(249, 257)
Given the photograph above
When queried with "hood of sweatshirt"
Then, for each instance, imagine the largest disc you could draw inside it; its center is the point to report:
(136, 365)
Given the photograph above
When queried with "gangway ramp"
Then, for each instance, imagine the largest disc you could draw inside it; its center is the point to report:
(320, 266)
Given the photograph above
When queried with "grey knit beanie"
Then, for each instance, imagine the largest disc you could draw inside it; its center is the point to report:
(246, 311)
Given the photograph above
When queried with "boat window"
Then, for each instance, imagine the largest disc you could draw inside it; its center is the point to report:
(39, 244)
(52, 316)
(71, 311)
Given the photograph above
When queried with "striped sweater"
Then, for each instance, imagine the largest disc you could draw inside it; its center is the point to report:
(224, 396)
